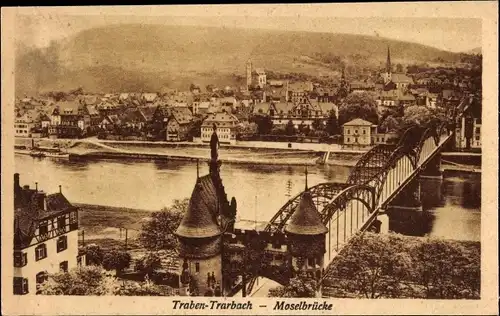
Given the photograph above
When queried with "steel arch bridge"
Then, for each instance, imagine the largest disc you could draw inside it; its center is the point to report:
(379, 175)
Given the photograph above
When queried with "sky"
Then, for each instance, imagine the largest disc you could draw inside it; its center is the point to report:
(39, 26)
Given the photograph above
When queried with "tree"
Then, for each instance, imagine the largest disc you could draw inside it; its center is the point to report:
(89, 280)
(149, 263)
(358, 105)
(372, 266)
(300, 286)
(390, 124)
(399, 68)
(317, 125)
(290, 128)
(423, 116)
(93, 254)
(158, 232)
(146, 288)
(195, 128)
(248, 129)
(116, 260)
(264, 124)
(210, 88)
(448, 270)
(332, 126)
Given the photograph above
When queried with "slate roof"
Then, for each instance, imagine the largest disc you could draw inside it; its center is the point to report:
(200, 218)
(222, 119)
(358, 122)
(401, 78)
(306, 219)
(182, 115)
(29, 209)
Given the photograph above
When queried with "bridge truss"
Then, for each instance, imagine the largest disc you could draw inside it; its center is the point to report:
(379, 175)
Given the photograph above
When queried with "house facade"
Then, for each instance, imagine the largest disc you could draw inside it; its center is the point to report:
(23, 125)
(45, 237)
(359, 132)
(70, 119)
(469, 126)
(226, 125)
(178, 125)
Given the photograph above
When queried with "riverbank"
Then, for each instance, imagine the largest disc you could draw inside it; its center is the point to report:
(264, 153)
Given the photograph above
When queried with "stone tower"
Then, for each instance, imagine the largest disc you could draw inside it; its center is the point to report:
(249, 74)
(306, 235)
(209, 215)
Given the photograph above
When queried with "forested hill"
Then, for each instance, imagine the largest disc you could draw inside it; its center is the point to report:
(148, 57)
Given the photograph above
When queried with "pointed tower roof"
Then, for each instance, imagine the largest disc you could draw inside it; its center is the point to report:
(199, 220)
(306, 219)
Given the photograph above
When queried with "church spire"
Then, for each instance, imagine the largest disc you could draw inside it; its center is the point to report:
(388, 66)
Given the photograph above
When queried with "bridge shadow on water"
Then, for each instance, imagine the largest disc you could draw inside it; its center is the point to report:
(439, 201)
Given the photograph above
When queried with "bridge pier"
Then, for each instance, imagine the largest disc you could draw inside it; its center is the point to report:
(405, 212)
(432, 170)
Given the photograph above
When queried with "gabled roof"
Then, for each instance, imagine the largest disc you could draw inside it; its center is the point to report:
(358, 122)
(200, 218)
(182, 115)
(221, 119)
(401, 78)
(306, 219)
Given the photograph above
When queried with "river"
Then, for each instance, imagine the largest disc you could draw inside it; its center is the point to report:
(453, 204)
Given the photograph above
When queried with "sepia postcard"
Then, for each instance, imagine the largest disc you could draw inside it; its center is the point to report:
(250, 159)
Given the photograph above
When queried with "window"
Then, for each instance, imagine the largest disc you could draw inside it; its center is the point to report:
(62, 243)
(20, 286)
(478, 137)
(40, 252)
(364, 132)
(197, 267)
(43, 228)
(348, 139)
(348, 131)
(310, 262)
(20, 259)
(478, 130)
(61, 222)
(63, 266)
(355, 131)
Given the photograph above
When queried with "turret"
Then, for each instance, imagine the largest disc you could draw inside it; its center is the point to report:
(199, 236)
(306, 235)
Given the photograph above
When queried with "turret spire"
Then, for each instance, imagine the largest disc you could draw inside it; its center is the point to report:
(306, 179)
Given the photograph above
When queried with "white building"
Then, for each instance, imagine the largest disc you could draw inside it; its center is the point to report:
(225, 127)
(45, 237)
(359, 132)
(23, 125)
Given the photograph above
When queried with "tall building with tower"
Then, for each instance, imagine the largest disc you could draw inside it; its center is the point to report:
(249, 74)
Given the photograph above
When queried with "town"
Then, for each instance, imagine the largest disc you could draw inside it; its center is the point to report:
(355, 110)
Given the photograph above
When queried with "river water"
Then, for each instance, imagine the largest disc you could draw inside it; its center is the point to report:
(260, 190)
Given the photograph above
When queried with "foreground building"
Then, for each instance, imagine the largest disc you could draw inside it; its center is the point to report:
(217, 259)
(45, 236)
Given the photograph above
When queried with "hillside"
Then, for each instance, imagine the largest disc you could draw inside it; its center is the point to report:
(147, 57)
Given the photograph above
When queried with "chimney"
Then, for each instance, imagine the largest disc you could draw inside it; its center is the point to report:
(36, 186)
(60, 188)
(16, 181)
(26, 187)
